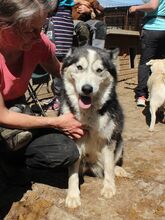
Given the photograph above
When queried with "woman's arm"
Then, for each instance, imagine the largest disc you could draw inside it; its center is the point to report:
(66, 123)
(150, 6)
(52, 66)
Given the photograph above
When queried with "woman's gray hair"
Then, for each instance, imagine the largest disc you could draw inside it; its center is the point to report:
(15, 11)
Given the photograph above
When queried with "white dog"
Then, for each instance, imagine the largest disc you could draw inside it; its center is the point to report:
(156, 88)
(89, 78)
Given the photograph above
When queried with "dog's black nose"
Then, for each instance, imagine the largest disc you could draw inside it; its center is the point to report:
(87, 89)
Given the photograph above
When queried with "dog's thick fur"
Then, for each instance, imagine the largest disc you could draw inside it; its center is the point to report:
(156, 88)
(89, 78)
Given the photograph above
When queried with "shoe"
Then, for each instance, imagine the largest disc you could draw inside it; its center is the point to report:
(52, 104)
(15, 138)
(56, 104)
(141, 101)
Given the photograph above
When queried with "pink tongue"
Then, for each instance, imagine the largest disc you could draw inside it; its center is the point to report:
(84, 102)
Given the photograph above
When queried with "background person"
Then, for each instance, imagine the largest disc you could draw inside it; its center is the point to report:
(63, 27)
(152, 42)
(62, 35)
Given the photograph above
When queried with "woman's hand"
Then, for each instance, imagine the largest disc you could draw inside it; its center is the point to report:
(70, 126)
(147, 7)
(132, 9)
(83, 9)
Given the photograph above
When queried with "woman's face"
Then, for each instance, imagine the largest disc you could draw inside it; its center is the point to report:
(23, 36)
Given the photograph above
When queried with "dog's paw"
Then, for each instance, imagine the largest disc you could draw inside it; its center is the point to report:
(108, 191)
(72, 201)
(120, 172)
(151, 129)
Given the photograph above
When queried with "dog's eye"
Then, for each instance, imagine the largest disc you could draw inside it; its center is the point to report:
(79, 67)
(99, 70)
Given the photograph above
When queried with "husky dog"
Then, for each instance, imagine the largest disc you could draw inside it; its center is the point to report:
(156, 88)
(89, 78)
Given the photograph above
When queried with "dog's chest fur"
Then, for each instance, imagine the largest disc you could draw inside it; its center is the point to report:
(98, 132)
(101, 126)
(92, 143)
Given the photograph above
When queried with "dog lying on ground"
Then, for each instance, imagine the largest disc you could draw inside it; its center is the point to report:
(156, 88)
(89, 78)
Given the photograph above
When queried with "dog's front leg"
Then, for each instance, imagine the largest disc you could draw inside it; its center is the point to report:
(73, 195)
(109, 188)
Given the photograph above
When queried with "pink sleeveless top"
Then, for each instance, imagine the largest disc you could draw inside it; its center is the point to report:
(13, 87)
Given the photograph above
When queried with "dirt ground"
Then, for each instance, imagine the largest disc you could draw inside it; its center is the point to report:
(138, 198)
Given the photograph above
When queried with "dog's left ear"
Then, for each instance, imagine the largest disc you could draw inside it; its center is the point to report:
(70, 51)
(68, 60)
(113, 55)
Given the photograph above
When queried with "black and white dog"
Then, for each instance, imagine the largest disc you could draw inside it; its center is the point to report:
(89, 78)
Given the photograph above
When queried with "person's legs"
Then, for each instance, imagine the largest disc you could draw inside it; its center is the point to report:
(98, 29)
(161, 45)
(12, 165)
(48, 156)
(82, 32)
(150, 41)
(51, 150)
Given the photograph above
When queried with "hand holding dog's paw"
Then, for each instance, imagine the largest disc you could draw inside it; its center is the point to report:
(108, 191)
(72, 201)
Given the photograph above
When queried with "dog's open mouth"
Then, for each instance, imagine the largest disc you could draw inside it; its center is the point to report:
(85, 102)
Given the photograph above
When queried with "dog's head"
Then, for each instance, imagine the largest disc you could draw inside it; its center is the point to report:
(89, 73)
(157, 66)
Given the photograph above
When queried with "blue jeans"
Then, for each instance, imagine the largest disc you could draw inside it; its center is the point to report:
(152, 47)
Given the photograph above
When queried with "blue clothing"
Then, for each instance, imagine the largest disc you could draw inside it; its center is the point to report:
(156, 23)
(69, 3)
